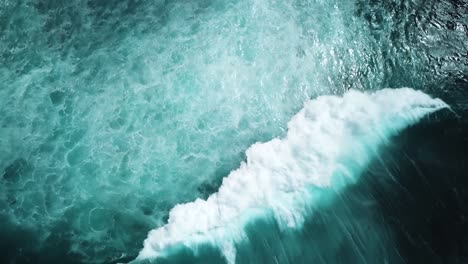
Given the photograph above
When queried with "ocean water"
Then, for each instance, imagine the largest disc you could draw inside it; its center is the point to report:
(233, 131)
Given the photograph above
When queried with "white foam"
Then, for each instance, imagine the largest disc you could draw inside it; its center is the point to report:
(327, 145)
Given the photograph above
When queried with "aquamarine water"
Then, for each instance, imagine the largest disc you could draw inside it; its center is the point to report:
(114, 112)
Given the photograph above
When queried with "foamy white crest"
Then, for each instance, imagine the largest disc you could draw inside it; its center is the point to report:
(327, 145)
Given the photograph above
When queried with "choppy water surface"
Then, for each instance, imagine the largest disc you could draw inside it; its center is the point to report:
(114, 112)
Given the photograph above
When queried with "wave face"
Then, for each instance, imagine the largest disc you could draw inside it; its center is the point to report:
(327, 146)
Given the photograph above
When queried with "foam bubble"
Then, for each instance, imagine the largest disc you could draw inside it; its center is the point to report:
(327, 145)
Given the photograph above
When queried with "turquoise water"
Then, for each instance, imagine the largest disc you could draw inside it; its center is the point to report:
(112, 113)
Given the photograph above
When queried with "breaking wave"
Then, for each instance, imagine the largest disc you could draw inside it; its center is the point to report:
(328, 144)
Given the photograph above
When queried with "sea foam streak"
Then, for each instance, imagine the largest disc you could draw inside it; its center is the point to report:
(328, 143)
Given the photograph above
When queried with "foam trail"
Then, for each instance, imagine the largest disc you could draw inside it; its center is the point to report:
(328, 143)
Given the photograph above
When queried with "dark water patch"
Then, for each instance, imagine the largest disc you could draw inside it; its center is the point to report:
(22, 245)
(15, 170)
(28, 244)
(209, 187)
(421, 187)
(57, 97)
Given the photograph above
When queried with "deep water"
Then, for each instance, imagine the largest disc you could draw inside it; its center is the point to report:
(113, 112)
